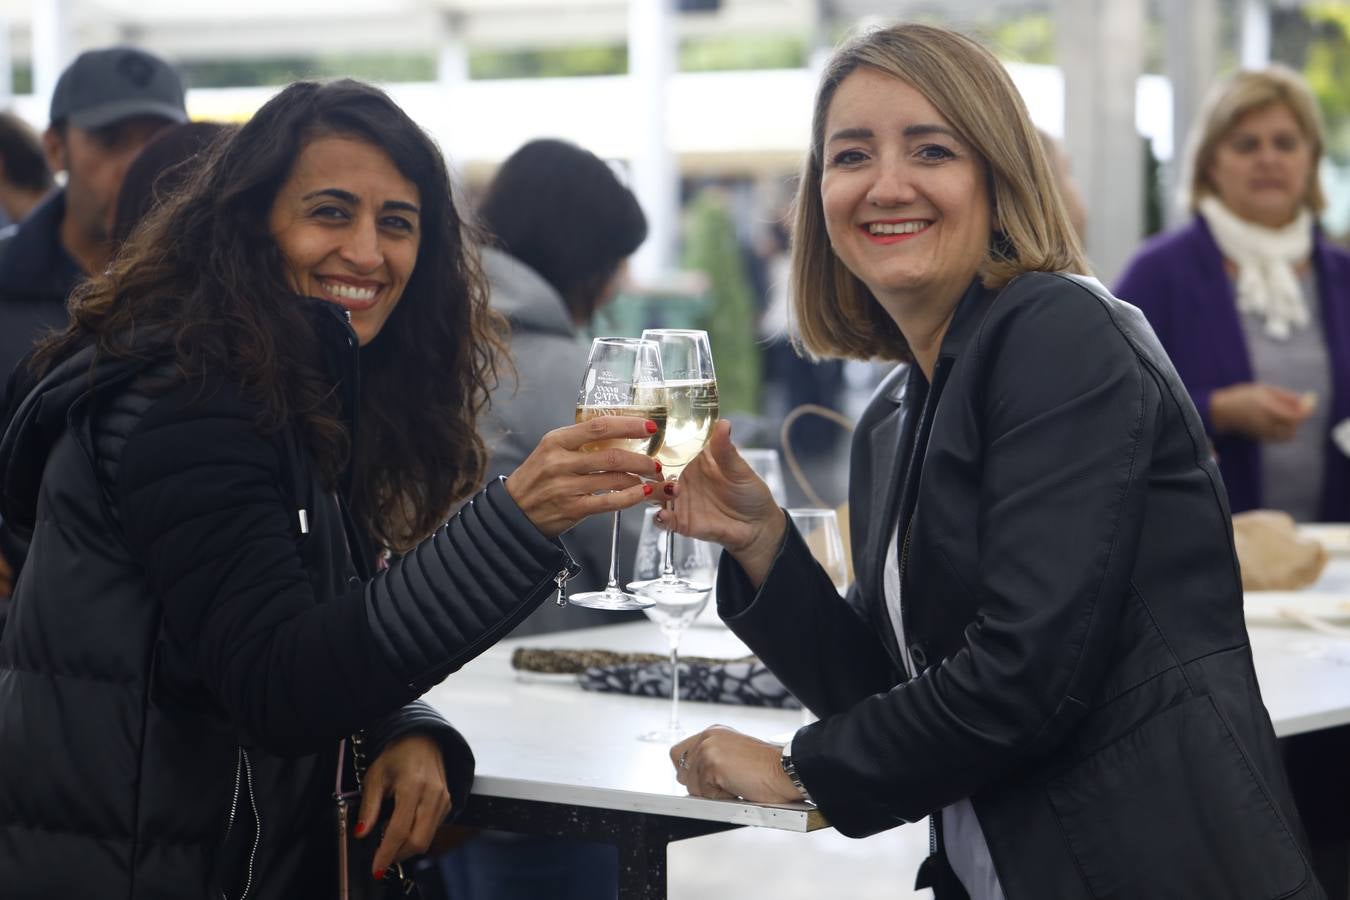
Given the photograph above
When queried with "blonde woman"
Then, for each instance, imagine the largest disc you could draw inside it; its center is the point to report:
(1045, 648)
(1252, 302)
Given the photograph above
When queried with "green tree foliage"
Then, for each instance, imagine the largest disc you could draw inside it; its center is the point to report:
(552, 62)
(711, 54)
(711, 247)
(1028, 38)
(1326, 66)
(387, 68)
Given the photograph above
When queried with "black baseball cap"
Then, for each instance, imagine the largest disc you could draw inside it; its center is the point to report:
(105, 86)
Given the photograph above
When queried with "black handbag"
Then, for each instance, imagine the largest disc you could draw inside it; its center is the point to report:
(355, 859)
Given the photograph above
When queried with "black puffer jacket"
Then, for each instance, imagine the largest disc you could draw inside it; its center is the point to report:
(181, 627)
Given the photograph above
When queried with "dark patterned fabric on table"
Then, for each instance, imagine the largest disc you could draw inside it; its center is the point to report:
(745, 681)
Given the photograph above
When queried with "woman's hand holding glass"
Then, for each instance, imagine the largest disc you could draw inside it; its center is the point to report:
(622, 378)
(561, 482)
(692, 407)
(722, 500)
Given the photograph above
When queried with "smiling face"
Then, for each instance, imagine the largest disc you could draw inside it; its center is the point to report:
(347, 224)
(1262, 166)
(905, 202)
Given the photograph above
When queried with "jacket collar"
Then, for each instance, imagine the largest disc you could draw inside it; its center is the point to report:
(970, 310)
(36, 262)
(893, 431)
(341, 355)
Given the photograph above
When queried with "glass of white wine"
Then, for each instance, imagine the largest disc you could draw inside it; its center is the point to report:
(623, 378)
(674, 611)
(691, 405)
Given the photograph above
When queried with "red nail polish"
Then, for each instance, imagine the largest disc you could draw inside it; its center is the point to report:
(669, 489)
(379, 874)
(651, 427)
(657, 463)
(360, 828)
(646, 490)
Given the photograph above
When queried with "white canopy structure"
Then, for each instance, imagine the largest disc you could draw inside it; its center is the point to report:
(658, 120)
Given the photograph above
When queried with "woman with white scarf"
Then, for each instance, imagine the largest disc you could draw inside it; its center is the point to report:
(1252, 302)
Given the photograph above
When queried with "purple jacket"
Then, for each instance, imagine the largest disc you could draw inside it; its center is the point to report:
(1179, 282)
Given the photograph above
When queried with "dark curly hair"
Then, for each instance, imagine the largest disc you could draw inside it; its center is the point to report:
(204, 268)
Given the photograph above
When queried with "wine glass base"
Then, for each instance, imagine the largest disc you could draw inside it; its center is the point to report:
(610, 600)
(668, 591)
(667, 735)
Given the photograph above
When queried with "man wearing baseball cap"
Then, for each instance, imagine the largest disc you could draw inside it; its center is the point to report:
(107, 105)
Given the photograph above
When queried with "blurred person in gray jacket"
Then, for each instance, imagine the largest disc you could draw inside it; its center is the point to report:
(562, 228)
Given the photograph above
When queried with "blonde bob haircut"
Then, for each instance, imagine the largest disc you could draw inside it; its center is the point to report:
(836, 313)
(1233, 99)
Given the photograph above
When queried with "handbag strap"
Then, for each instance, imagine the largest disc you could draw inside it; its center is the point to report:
(404, 883)
(337, 780)
(358, 762)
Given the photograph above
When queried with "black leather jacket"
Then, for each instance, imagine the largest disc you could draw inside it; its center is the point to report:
(1071, 603)
(190, 637)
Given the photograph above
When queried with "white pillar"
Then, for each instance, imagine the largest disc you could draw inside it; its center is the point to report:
(1101, 44)
(6, 63)
(452, 57)
(1191, 65)
(1255, 34)
(51, 46)
(651, 62)
(452, 73)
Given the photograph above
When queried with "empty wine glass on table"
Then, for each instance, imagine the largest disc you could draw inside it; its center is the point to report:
(768, 466)
(674, 611)
(820, 529)
(691, 403)
(623, 377)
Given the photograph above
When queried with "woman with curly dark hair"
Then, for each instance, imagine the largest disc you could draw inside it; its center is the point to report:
(276, 382)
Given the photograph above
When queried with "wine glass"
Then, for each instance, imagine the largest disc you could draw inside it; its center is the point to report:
(691, 403)
(768, 466)
(820, 529)
(673, 611)
(623, 378)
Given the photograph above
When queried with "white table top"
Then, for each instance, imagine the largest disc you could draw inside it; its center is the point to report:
(544, 738)
(541, 737)
(1304, 675)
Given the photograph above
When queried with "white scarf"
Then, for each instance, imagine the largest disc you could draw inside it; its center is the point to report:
(1267, 285)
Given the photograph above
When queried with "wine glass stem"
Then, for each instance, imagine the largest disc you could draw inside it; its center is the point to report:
(613, 584)
(674, 638)
(668, 553)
